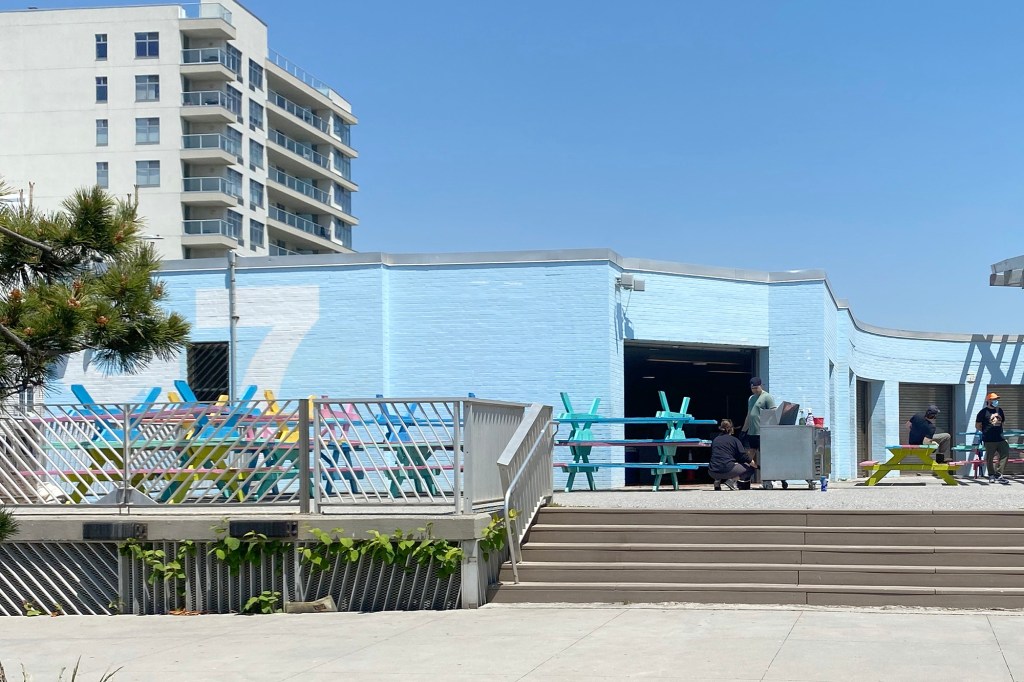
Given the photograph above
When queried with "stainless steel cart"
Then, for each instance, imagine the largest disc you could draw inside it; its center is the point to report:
(794, 453)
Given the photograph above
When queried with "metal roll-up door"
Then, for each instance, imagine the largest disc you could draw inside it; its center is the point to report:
(1011, 399)
(916, 398)
(863, 420)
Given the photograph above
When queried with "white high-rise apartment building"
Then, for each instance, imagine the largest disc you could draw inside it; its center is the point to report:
(229, 145)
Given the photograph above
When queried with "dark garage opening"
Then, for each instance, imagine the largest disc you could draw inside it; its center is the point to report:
(716, 379)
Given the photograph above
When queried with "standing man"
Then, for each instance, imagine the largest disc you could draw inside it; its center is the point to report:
(997, 450)
(759, 400)
(922, 432)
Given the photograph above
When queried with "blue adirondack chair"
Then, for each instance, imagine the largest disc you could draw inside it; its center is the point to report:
(109, 424)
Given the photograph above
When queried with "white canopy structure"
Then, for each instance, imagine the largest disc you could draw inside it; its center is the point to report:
(1008, 273)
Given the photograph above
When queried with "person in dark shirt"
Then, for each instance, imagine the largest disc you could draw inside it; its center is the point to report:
(990, 422)
(922, 432)
(729, 459)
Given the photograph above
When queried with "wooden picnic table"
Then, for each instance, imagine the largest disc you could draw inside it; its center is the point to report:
(581, 441)
(923, 453)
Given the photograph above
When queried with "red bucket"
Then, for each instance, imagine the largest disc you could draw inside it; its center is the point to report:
(819, 422)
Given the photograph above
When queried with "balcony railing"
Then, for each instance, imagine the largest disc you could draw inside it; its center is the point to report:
(206, 10)
(210, 55)
(212, 98)
(299, 149)
(299, 112)
(299, 223)
(221, 185)
(300, 186)
(307, 78)
(276, 250)
(212, 141)
(211, 227)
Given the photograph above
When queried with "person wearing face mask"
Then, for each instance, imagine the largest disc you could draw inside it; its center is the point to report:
(997, 450)
(922, 432)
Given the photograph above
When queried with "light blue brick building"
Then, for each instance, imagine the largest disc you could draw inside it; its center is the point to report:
(524, 326)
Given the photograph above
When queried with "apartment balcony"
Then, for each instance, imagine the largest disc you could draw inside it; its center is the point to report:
(211, 192)
(295, 120)
(209, 233)
(210, 106)
(290, 190)
(211, 149)
(209, 63)
(275, 250)
(292, 79)
(207, 20)
(300, 158)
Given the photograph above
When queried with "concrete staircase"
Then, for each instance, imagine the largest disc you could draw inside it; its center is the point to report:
(952, 559)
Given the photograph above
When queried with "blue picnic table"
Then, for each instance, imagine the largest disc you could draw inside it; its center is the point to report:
(581, 441)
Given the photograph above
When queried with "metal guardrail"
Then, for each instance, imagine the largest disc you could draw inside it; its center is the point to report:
(430, 453)
(312, 81)
(209, 55)
(275, 250)
(211, 226)
(211, 141)
(527, 475)
(299, 222)
(300, 112)
(212, 98)
(206, 10)
(298, 148)
(304, 188)
(213, 184)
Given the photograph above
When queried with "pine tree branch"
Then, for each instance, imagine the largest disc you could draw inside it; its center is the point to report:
(16, 340)
(31, 242)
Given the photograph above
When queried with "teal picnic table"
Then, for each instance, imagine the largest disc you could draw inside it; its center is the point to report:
(581, 441)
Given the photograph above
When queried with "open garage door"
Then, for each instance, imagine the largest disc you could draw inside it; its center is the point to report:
(716, 379)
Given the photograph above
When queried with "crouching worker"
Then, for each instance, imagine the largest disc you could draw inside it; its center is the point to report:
(729, 459)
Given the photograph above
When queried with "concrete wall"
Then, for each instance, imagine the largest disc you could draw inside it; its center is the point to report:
(526, 326)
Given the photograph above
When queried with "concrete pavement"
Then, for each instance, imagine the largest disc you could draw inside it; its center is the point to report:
(550, 642)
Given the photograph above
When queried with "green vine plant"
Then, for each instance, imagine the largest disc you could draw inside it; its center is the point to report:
(494, 536)
(264, 602)
(30, 608)
(248, 549)
(161, 567)
(398, 548)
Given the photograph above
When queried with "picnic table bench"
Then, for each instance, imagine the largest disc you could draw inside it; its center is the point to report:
(896, 463)
(581, 441)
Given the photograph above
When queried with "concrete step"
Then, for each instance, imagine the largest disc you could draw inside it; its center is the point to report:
(780, 534)
(744, 593)
(780, 574)
(760, 553)
(933, 519)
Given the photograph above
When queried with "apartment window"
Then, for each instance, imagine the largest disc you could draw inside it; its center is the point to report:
(101, 88)
(343, 233)
(234, 179)
(234, 220)
(102, 174)
(147, 44)
(343, 131)
(234, 100)
(343, 198)
(234, 59)
(255, 76)
(147, 131)
(255, 234)
(343, 165)
(147, 88)
(101, 46)
(255, 116)
(147, 173)
(102, 132)
(255, 194)
(255, 155)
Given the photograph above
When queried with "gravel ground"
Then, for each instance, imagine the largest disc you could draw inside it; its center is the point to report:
(911, 493)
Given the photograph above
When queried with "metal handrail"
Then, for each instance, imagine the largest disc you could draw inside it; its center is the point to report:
(298, 148)
(298, 222)
(206, 10)
(309, 79)
(207, 55)
(211, 141)
(291, 182)
(300, 112)
(211, 226)
(211, 98)
(212, 184)
(276, 250)
(535, 468)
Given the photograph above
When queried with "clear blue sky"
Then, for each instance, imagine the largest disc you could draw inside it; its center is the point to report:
(880, 141)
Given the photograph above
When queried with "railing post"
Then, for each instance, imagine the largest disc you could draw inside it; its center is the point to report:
(305, 480)
(457, 438)
(317, 463)
(126, 453)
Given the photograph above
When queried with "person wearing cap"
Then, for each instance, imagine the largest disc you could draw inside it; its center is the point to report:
(922, 432)
(997, 450)
(759, 400)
